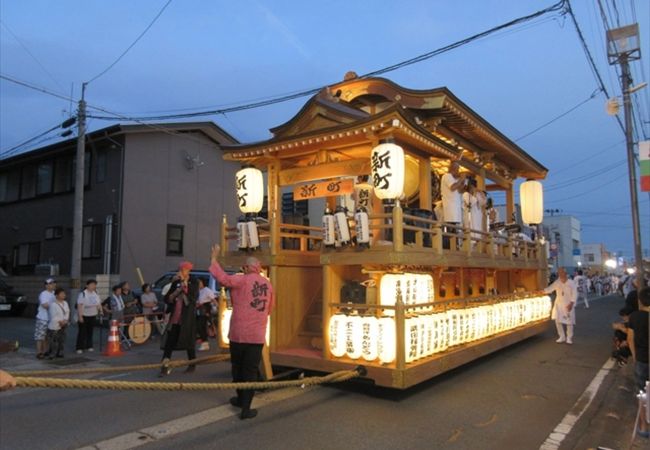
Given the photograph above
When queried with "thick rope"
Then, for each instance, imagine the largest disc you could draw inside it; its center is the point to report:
(66, 383)
(180, 363)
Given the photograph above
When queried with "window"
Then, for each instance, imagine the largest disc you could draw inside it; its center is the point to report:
(53, 233)
(100, 175)
(174, 240)
(63, 174)
(294, 208)
(590, 257)
(44, 178)
(9, 186)
(28, 184)
(92, 241)
(28, 253)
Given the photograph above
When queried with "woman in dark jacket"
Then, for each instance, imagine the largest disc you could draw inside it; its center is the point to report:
(180, 332)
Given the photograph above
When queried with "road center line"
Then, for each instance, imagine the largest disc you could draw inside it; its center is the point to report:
(190, 422)
(562, 430)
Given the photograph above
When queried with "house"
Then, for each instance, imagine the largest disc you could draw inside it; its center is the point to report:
(154, 195)
(564, 237)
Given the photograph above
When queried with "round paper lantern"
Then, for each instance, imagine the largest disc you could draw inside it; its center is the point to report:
(336, 329)
(249, 183)
(386, 346)
(531, 195)
(387, 165)
(353, 335)
(369, 332)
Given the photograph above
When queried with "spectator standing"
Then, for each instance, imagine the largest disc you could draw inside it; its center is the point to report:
(89, 306)
(637, 339)
(180, 333)
(150, 306)
(130, 302)
(581, 285)
(45, 299)
(58, 324)
(631, 299)
(564, 307)
(115, 305)
(252, 301)
(204, 313)
(452, 185)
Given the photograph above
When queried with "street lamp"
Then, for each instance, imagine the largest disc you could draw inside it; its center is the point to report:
(622, 47)
(611, 264)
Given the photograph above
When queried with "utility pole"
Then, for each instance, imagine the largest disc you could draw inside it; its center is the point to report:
(77, 223)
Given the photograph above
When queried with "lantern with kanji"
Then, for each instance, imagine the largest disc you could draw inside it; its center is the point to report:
(387, 165)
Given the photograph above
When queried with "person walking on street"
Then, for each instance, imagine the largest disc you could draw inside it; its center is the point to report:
(581, 285)
(89, 306)
(180, 333)
(564, 307)
(252, 301)
(45, 299)
(58, 324)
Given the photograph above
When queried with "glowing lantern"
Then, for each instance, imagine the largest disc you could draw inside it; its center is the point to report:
(224, 326)
(386, 340)
(388, 287)
(422, 336)
(369, 331)
(336, 329)
(430, 330)
(531, 195)
(353, 335)
(453, 317)
(250, 189)
(411, 338)
(414, 288)
(387, 165)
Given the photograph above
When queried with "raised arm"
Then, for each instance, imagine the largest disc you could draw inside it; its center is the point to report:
(217, 271)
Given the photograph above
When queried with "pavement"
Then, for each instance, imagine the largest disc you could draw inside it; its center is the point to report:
(528, 396)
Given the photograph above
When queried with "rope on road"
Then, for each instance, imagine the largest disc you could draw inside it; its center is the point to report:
(68, 383)
(179, 363)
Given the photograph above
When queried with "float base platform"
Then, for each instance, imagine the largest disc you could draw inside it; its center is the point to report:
(414, 373)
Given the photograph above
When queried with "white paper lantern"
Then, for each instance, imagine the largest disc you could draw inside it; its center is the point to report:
(454, 327)
(249, 183)
(430, 330)
(411, 338)
(387, 165)
(386, 340)
(336, 329)
(224, 326)
(369, 332)
(422, 338)
(531, 195)
(353, 336)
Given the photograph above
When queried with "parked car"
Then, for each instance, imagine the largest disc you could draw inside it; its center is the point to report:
(11, 302)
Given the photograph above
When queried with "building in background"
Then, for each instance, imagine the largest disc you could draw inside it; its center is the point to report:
(563, 234)
(154, 195)
(594, 257)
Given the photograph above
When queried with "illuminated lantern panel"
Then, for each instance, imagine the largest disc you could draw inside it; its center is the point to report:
(336, 335)
(386, 346)
(249, 183)
(353, 336)
(414, 289)
(411, 339)
(369, 332)
(531, 195)
(387, 165)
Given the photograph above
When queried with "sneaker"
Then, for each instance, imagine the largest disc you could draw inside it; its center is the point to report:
(79, 352)
(91, 350)
(205, 346)
(248, 414)
(561, 340)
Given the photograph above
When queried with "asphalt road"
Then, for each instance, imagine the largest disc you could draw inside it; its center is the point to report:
(512, 399)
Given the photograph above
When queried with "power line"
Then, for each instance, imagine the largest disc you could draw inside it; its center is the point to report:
(132, 45)
(16, 148)
(559, 6)
(585, 177)
(36, 88)
(592, 96)
(22, 44)
(591, 156)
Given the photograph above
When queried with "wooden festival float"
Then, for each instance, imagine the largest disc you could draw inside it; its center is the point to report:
(367, 276)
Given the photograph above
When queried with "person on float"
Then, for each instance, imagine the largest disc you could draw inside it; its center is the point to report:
(452, 185)
(252, 301)
(563, 311)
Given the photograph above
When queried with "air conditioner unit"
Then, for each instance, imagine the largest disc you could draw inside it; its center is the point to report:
(46, 270)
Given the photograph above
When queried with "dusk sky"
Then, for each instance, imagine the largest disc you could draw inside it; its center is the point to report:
(205, 54)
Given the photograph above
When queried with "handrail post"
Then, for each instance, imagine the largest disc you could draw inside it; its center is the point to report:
(400, 328)
(467, 241)
(491, 246)
(437, 238)
(398, 229)
(274, 234)
(224, 231)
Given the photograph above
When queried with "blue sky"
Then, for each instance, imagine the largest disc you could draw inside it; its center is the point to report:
(204, 53)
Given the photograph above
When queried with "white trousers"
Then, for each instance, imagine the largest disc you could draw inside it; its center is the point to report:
(560, 331)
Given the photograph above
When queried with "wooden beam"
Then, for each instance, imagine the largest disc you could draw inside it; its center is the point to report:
(348, 168)
(510, 203)
(426, 201)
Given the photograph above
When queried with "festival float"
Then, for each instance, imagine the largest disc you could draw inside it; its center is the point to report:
(366, 274)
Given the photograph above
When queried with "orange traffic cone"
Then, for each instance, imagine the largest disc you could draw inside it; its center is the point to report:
(113, 345)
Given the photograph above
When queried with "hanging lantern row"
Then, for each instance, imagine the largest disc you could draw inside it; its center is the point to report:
(373, 338)
(224, 326)
(336, 229)
(414, 288)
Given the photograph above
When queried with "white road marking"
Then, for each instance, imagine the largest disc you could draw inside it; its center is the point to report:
(187, 423)
(561, 431)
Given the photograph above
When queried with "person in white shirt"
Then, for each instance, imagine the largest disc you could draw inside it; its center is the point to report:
(473, 205)
(89, 306)
(204, 313)
(452, 185)
(563, 312)
(150, 307)
(59, 321)
(582, 287)
(42, 318)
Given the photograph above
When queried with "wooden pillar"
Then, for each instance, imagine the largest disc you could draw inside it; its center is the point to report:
(510, 203)
(398, 230)
(328, 297)
(400, 328)
(224, 232)
(426, 201)
(273, 206)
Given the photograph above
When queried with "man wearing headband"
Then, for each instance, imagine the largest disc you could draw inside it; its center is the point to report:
(180, 332)
(252, 300)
